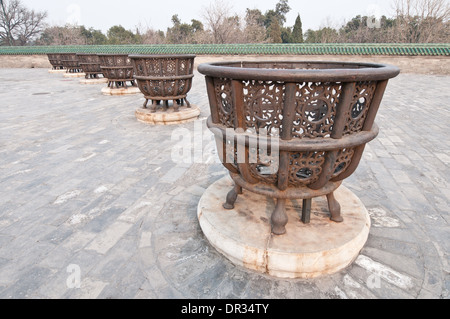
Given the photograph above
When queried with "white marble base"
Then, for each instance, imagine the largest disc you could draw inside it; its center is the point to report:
(57, 71)
(74, 75)
(94, 81)
(169, 117)
(244, 235)
(121, 91)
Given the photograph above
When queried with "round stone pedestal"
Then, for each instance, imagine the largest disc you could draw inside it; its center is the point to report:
(169, 117)
(120, 91)
(57, 71)
(94, 81)
(244, 236)
(74, 75)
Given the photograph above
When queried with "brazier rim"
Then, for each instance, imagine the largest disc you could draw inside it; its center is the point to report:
(332, 71)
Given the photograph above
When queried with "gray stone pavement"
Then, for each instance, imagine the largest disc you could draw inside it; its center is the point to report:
(90, 196)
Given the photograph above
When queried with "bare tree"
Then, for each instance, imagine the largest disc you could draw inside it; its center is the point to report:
(254, 31)
(62, 35)
(225, 28)
(422, 21)
(19, 25)
(151, 36)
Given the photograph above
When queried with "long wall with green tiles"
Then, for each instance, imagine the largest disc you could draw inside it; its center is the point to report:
(244, 49)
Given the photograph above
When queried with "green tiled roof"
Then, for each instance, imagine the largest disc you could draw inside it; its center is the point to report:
(243, 49)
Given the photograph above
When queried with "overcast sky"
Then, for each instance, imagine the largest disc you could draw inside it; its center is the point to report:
(102, 14)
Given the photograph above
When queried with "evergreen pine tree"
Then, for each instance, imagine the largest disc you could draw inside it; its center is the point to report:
(297, 32)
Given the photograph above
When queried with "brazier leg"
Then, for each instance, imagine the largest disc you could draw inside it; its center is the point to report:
(154, 106)
(279, 218)
(176, 106)
(232, 197)
(306, 211)
(335, 208)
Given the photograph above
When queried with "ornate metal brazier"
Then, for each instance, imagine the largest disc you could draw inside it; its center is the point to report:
(117, 68)
(70, 62)
(90, 64)
(55, 61)
(164, 78)
(320, 115)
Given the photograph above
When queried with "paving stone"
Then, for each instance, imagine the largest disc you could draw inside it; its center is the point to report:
(105, 218)
(145, 292)
(90, 289)
(380, 288)
(156, 279)
(59, 235)
(395, 247)
(108, 238)
(233, 284)
(354, 289)
(82, 183)
(28, 284)
(411, 267)
(125, 284)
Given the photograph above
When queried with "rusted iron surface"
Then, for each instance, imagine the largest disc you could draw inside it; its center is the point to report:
(319, 115)
(70, 62)
(90, 65)
(55, 61)
(118, 69)
(164, 78)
